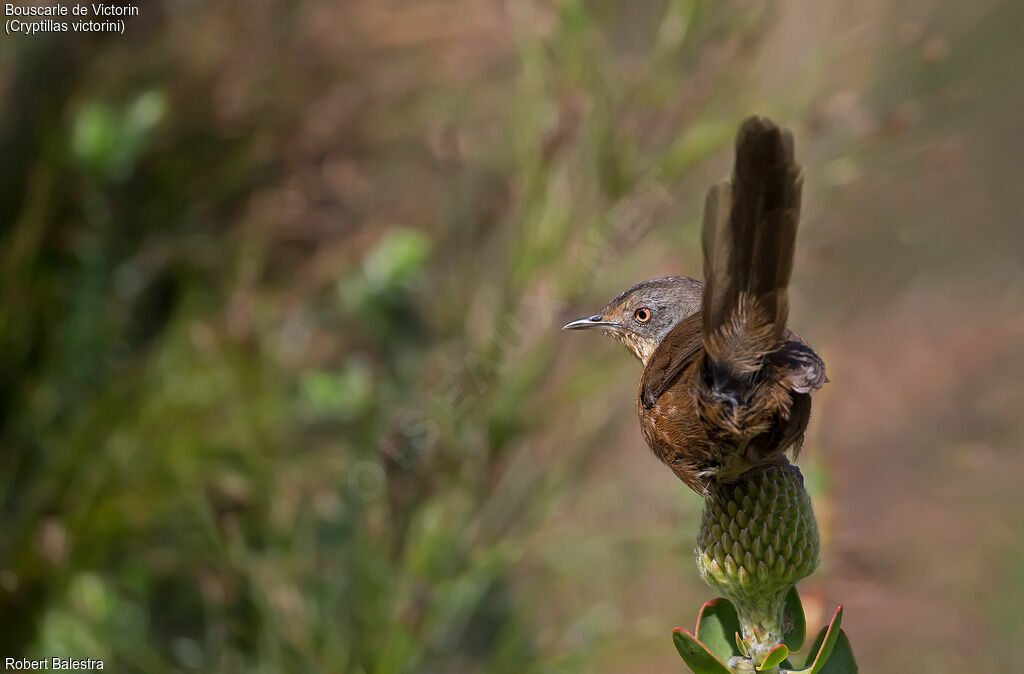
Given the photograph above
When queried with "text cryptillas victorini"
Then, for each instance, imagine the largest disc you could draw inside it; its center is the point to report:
(51, 26)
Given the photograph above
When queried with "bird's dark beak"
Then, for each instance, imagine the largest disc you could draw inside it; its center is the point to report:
(595, 321)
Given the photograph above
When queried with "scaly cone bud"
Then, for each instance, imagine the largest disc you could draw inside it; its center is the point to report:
(757, 538)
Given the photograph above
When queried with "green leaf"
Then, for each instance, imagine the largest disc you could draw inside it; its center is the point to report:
(841, 661)
(794, 620)
(740, 646)
(774, 658)
(824, 643)
(94, 134)
(397, 258)
(717, 625)
(108, 140)
(696, 655)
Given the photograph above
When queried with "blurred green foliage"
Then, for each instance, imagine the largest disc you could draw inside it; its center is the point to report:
(269, 376)
(107, 142)
(281, 287)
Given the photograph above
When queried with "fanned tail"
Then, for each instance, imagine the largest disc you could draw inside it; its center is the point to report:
(748, 238)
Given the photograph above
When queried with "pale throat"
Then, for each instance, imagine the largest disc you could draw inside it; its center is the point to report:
(641, 348)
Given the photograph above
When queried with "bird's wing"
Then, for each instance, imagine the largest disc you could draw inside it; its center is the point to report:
(680, 347)
(804, 369)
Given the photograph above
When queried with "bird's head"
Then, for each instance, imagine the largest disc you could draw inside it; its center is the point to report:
(642, 316)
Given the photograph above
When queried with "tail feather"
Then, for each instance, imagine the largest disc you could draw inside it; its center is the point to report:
(748, 238)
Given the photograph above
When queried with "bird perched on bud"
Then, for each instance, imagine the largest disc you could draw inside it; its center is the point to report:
(726, 386)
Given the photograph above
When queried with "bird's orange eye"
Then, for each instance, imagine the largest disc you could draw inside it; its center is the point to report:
(642, 315)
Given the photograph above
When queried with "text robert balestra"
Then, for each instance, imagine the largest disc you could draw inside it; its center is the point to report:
(59, 664)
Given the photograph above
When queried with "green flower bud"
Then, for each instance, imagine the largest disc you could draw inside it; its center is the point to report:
(757, 538)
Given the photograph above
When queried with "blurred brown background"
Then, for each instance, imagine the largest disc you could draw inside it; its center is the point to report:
(281, 382)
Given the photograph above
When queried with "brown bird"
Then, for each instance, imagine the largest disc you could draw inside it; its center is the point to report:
(726, 386)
